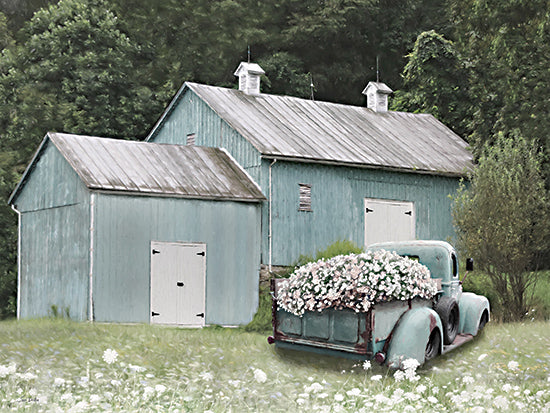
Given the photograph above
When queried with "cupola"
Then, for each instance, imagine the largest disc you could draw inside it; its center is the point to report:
(377, 96)
(249, 78)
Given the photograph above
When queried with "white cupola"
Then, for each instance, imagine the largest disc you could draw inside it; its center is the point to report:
(377, 96)
(249, 78)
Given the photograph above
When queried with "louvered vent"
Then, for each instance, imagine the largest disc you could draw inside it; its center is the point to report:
(305, 197)
(191, 139)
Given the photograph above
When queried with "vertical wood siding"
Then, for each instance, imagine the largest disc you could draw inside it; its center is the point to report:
(54, 207)
(337, 203)
(125, 227)
(193, 115)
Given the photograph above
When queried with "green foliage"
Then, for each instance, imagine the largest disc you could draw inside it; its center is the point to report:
(261, 323)
(433, 81)
(502, 220)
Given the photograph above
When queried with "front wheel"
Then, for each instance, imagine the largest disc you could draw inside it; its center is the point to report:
(434, 345)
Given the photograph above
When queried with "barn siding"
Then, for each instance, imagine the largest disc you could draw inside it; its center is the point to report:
(55, 219)
(125, 227)
(338, 195)
(193, 115)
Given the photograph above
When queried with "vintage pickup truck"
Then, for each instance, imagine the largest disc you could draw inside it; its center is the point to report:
(392, 331)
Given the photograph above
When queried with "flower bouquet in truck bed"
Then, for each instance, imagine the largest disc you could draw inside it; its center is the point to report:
(356, 282)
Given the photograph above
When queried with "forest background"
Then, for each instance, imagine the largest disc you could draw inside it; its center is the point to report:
(109, 68)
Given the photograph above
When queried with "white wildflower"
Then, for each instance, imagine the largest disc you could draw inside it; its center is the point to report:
(110, 356)
(322, 395)
(421, 389)
(353, 392)
(410, 364)
(116, 383)
(94, 398)
(260, 376)
(207, 376)
(300, 401)
(234, 383)
(432, 399)
(338, 397)
(507, 387)
(501, 402)
(59, 381)
(513, 365)
(378, 377)
(481, 357)
(399, 375)
(366, 365)
(468, 380)
(315, 388)
(160, 388)
(137, 369)
(7, 370)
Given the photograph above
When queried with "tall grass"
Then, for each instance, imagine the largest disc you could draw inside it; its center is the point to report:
(58, 365)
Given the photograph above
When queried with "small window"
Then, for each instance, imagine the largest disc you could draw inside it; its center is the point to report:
(191, 139)
(454, 264)
(305, 197)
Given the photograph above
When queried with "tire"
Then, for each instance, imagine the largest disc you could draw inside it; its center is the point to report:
(447, 309)
(482, 321)
(434, 345)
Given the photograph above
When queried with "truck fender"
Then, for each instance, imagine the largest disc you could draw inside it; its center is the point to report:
(410, 336)
(472, 308)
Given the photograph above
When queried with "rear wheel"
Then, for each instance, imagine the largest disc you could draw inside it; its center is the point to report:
(447, 309)
(484, 319)
(433, 346)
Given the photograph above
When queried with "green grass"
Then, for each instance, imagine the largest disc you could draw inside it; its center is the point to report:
(58, 365)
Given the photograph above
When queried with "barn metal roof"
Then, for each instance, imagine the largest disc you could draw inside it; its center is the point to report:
(153, 169)
(306, 130)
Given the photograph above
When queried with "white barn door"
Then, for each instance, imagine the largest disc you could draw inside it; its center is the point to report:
(178, 273)
(387, 220)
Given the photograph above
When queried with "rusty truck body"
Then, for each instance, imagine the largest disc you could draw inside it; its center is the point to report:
(393, 331)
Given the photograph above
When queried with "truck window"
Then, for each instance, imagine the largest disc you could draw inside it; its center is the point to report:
(454, 263)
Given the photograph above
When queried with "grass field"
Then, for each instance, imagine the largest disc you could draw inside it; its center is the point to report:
(57, 365)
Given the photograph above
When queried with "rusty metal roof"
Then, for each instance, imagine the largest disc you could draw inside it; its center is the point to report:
(154, 169)
(306, 130)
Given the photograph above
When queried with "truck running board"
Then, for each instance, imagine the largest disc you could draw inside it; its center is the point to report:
(459, 340)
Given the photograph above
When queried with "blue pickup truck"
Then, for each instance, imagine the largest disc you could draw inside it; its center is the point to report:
(392, 331)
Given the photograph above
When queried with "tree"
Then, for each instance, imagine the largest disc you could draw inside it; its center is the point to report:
(434, 81)
(502, 217)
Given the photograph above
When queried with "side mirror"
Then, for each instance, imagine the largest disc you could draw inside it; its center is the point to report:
(469, 264)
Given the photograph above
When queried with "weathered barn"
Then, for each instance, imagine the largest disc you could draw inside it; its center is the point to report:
(330, 171)
(123, 231)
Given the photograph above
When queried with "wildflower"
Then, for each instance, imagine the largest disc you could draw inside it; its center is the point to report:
(467, 380)
(160, 388)
(315, 388)
(59, 381)
(137, 369)
(206, 376)
(366, 365)
(300, 401)
(260, 376)
(322, 395)
(338, 397)
(421, 389)
(399, 375)
(116, 383)
(110, 356)
(378, 377)
(6, 370)
(410, 364)
(501, 402)
(507, 387)
(432, 399)
(481, 357)
(94, 398)
(353, 392)
(513, 365)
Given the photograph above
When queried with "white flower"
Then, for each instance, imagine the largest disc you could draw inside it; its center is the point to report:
(94, 398)
(338, 397)
(481, 357)
(366, 365)
(116, 383)
(399, 375)
(410, 364)
(421, 389)
(378, 377)
(353, 392)
(315, 388)
(501, 402)
(432, 399)
(513, 365)
(59, 381)
(468, 380)
(137, 369)
(160, 388)
(300, 401)
(507, 387)
(110, 356)
(260, 376)
(7, 370)
(207, 376)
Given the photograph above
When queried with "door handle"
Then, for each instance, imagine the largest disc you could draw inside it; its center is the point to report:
(179, 284)
(200, 315)
(153, 314)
